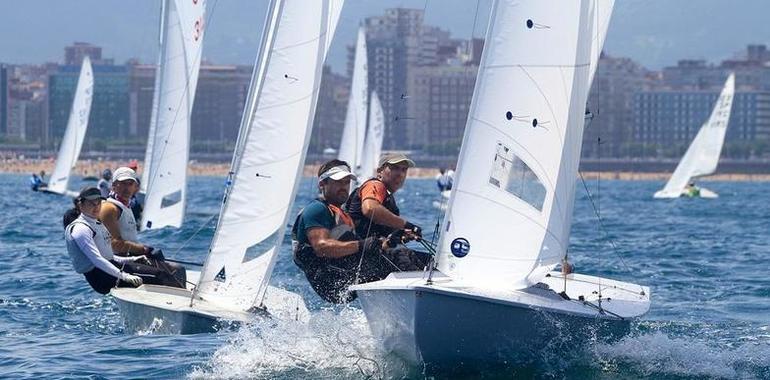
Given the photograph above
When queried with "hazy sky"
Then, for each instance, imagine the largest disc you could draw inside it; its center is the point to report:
(655, 33)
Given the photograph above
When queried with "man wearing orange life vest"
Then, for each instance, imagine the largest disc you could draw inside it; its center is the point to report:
(326, 246)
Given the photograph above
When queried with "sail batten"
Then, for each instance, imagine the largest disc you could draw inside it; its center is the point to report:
(165, 169)
(77, 125)
(518, 163)
(270, 152)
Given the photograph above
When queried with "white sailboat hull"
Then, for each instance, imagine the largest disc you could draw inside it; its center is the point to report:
(67, 193)
(704, 193)
(166, 310)
(447, 325)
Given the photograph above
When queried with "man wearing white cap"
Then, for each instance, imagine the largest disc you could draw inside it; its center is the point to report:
(118, 217)
(325, 244)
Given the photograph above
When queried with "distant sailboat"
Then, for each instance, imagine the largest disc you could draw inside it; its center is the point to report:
(72, 142)
(702, 156)
(493, 296)
(265, 172)
(374, 135)
(164, 176)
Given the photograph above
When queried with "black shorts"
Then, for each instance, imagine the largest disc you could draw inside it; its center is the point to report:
(102, 282)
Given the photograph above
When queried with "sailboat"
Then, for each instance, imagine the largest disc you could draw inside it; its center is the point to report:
(265, 172)
(354, 130)
(72, 142)
(375, 133)
(702, 156)
(164, 177)
(493, 295)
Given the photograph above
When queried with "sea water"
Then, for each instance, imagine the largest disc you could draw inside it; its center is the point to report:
(706, 262)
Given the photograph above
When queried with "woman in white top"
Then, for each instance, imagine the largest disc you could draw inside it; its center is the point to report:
(88, 244)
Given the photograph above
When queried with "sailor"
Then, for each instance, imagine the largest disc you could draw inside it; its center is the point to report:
(105, 183)
(119, 221)
(88, 245)
(327, 248)
(134, 204)
(691, 190)
(444, 180)
(373, 205)
(35, 182)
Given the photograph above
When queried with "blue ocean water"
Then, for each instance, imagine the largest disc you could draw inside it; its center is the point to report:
(705, 260)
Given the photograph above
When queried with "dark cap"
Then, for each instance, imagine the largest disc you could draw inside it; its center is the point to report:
(90, 193)
(394, 159)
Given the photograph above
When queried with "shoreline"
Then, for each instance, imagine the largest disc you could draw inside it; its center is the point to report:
(95, 167)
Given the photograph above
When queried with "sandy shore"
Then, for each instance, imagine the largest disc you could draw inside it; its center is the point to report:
(94, 168)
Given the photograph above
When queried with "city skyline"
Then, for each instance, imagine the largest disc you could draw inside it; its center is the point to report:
(654, 33)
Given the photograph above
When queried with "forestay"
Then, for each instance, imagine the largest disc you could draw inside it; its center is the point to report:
(77, 125)
(703, 154)
(270, 152)
(510, 213)
(155, 98)
(177, 79)
(352, 143)
(374, 135)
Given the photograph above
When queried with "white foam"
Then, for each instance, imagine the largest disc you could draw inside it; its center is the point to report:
(658, 354)
(333, 341)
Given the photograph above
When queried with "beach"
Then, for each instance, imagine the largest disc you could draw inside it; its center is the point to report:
(95, 167)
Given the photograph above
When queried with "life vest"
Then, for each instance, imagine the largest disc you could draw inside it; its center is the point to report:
(126, 221)
(304, 255)
(362, 223)
(102, 240)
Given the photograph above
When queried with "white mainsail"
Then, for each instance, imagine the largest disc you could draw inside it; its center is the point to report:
(154, 112)
(77, 125)
(702, 156)
(176, 81)
(374, 135)
(352, 143)
(519, 159)
(270, 152)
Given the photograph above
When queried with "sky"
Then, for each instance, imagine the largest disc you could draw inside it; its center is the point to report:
(655, 33)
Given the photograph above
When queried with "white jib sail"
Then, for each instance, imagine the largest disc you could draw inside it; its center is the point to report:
(77, 125)
(510, 212)
(166, 180)
(270, 152)
(374, 135)
(702, 156)
(352, 143)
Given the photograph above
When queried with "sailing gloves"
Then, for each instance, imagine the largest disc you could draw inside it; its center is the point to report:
(417, 230)
(134, 281)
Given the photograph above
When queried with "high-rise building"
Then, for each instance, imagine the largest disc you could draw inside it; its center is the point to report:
(330, 112)
(438, 105)
(610, 104)
(109, 117)
(74, 54)
(219, 103)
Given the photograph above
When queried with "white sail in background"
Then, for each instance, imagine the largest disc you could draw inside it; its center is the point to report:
(352, 143)
(166, 180)
(155, 98)
(702, 156)
(374, 135)
(270, 152)
(77, 125)
(518, 165)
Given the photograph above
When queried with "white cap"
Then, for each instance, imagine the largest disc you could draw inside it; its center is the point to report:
(123, 174)
(337, 173)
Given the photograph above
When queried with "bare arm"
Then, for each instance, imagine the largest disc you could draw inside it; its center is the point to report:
(324, 246)
(380, 215)
(109, 215)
